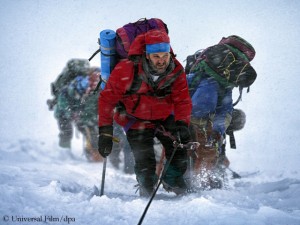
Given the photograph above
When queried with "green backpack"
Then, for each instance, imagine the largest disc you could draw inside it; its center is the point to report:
(73, 68)
(228, 62)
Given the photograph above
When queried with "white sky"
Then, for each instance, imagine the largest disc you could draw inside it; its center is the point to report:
(39, 37)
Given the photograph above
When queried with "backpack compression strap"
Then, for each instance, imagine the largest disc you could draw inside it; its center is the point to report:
(95, 53)
(231, 139)
(240, 96)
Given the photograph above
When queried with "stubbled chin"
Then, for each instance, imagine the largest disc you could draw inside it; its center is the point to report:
(160, 70)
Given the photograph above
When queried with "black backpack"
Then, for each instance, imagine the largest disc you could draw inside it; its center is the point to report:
(228, 62)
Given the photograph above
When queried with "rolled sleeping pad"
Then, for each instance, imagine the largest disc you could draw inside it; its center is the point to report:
(108, 53)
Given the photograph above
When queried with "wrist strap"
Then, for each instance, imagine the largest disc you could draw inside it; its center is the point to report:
(111, 136)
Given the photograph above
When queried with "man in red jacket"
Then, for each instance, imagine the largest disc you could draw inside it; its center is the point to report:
(152, 90)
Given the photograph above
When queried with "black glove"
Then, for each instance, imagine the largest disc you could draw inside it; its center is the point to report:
(105, 140)
(183, 131)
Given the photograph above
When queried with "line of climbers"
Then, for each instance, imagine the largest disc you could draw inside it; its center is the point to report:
(75, 106)
(171, 103)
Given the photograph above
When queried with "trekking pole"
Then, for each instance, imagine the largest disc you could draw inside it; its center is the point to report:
(176, 145)
(193, 146)
(235, 175)
(159, 183)
(191, 174)
(103, 176)
(104, 169)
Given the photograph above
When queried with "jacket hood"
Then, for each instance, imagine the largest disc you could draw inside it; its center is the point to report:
(138, 46)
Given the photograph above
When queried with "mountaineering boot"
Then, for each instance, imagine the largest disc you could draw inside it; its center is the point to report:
(178, 188)
(211, 174)
(145, 192)
(173, 181)
(64, 143)
(146, 184)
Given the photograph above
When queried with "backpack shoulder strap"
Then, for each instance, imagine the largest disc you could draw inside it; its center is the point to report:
(137, 82)
(239, 98)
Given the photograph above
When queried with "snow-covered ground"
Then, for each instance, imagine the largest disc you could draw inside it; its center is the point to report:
(40, 181)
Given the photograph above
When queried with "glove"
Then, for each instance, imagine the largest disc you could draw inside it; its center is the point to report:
(105, 140)
(183, 131)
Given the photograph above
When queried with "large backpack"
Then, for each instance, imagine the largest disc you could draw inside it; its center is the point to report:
(114, 45)
(126, 34)
(73, 68)
(228, 62)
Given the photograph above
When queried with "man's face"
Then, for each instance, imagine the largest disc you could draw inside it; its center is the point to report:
(159, 61)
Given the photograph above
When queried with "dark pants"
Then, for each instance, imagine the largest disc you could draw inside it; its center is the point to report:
(65, 132)
(142, 145)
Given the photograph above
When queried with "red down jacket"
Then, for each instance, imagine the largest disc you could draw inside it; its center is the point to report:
(140, 105)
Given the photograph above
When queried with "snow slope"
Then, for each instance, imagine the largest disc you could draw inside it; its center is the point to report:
(39, 181)
(51, 185)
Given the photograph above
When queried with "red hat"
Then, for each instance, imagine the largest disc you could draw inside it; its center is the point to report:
(152, 37)
(156, 36)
